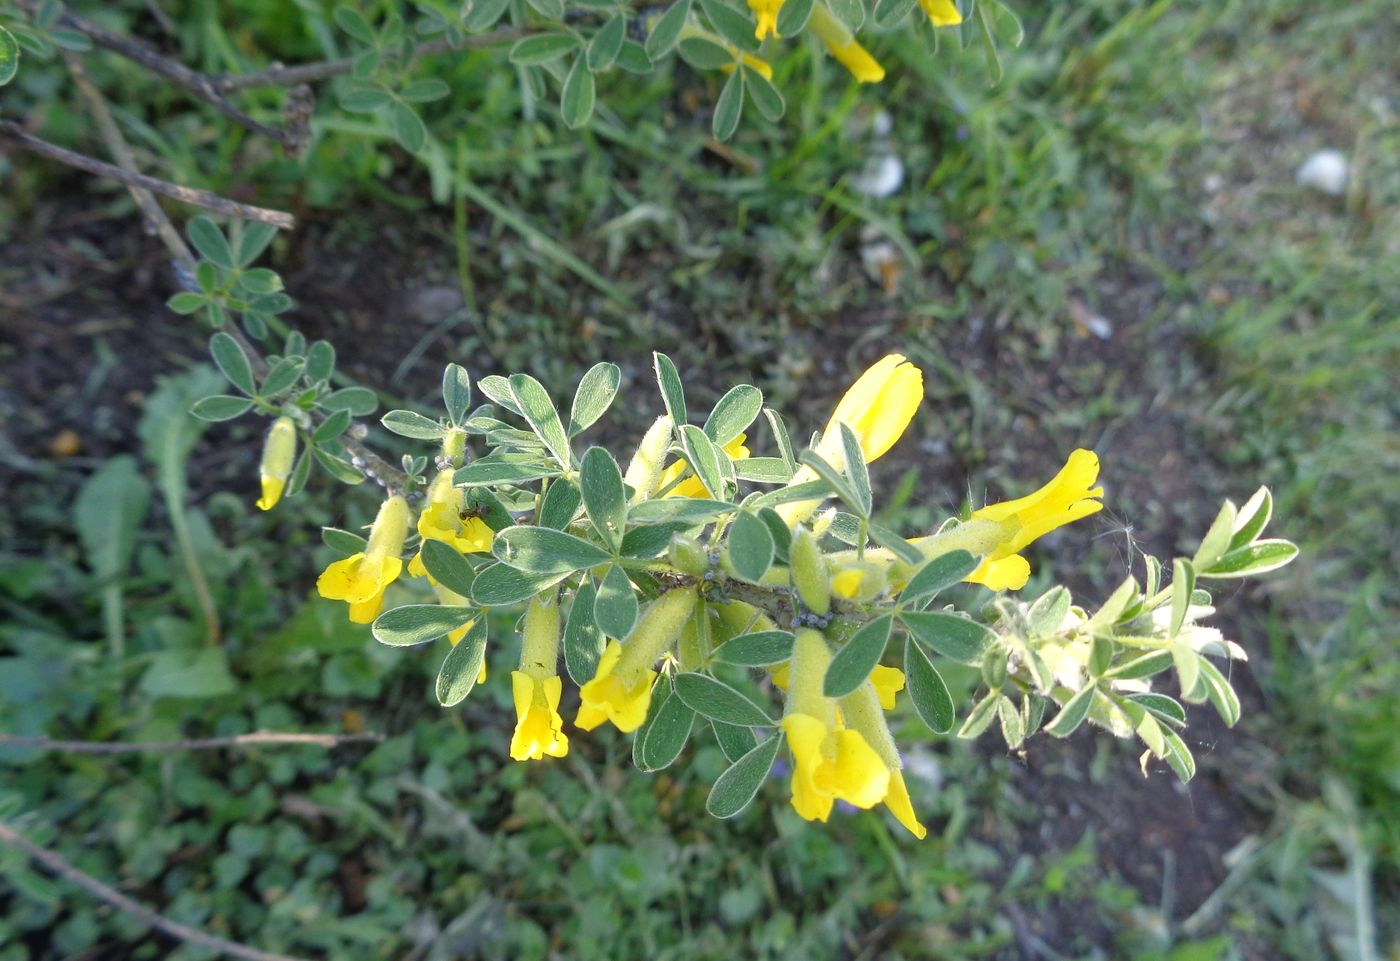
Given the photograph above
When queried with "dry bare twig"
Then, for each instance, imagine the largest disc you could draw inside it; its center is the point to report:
(55, 863)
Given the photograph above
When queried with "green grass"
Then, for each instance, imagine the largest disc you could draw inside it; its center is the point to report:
(1254, 329)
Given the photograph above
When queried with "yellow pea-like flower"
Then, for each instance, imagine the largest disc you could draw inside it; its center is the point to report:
(620, 691)
(942, 13)
(536, 686)
(862, 710)
(442, 520)
(1068, 497)
(644, 470)
(361, 579)
(279, 451)
(766, 13)
(841, 45)
(691, 486)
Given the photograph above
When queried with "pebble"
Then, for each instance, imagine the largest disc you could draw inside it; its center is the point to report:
(882, 175)
(1325, 171)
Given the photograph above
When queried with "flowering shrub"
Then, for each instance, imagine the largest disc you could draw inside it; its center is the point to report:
(690, 593)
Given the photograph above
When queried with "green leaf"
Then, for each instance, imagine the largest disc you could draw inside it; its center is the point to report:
(483, 14)
(342, 470)
(633, 58)
(1183, 584)
(332, 427)
(542, 48)
(186, 303)
(1048, 612)
(1259, 557)
(462, 666)
(833, 479)
(211, 243)
(300, 473)
(583, 641)
(407, 423)
(615, 606)
(497, 585)
(734, 790)
(576, 100)
(409, 130)
(320, 362)
(1252, 518)
(543, 550)
(853, 663)
(1107, 615)
(731, 24)
(729, 108)
(282, 377)
(1179, 757)
(672, 393)
(359, 401)
(1188, 666)
(498, 389)
(194, 674)
(649, 542)
(253, 241)
(221, 407)
(536, 407)
(604, 47)
(595, 394)
(109, 510)
(456, 392)
(952, 636)
(750, 547)
(763, 470)
(560, 505)
(1147, 665)
(1072, 714)
(1164, 707)
(365, 99)
(419, 623)
(425, 90)
(764, 95)
(704, 459)
(857, 470)
(782, 534)
(718, 701)
(938, 575)
(892, 542)
(495, 473)
(667, 30)
(735, 411)
(692, 510)
(758, 649)
(352, 22)
(733, 740)
(343, 542)
(1221, 694)
(9, 56)
(927, 690)
(1217, 539)
(604, 496)
(792, 18)
(232, 361)
(890, 13)
(446, 566)
(849, 12)
(664, 736)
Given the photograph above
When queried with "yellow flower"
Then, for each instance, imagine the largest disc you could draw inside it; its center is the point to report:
(615, 696)
(862, 708)
(442, 521)
(621, 688)
(691, 486)
(279, 451)
(830, 761)
(766, 13)
(943, 13)
(360, 580)
(1069, 497)
(841, 45)
(877, 408)
(539, 728)
(887, 681)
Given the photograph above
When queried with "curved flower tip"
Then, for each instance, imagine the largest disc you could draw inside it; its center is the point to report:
(610, 697)
(898, 803)
(766, 14)
(272, 488)
(538, 728)
(879, 405)
(887, 682)
(942, 13)
(279, 452)
(360, 581)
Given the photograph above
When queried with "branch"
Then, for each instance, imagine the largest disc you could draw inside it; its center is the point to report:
(199, 85)
(56, 864)
(256, 739)
(187, 195)
(280, 76)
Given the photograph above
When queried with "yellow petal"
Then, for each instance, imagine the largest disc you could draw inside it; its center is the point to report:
(943, 13)
(805, 736)
(856, 59)
(846, 584)
(538, 729)
(766, 14)
(364, 612)
(1004, 574)
(878, 406)
(887, 681)
(853, 771)
(272, 488)
(897, 800)
(345, 580)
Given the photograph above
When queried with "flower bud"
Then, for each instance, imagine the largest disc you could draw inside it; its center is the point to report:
(279, 451)
(390, 526)
(809, 574)
(454, 445)
(687, 556)
(645, 469)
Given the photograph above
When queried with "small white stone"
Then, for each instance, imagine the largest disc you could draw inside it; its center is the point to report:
(882, 124)
(1326, 171)
(882, 176)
